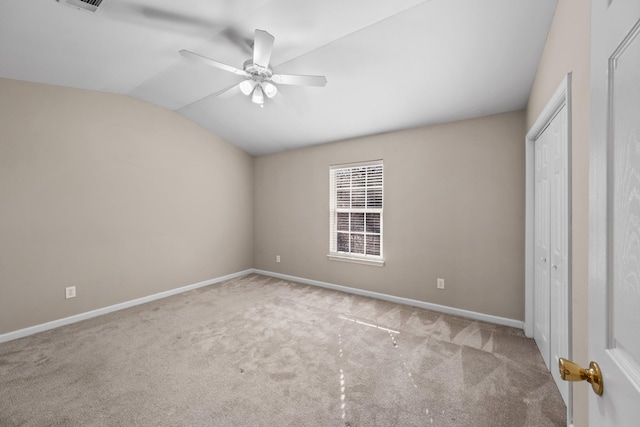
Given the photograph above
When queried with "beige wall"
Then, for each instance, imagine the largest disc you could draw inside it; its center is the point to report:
(118, 197)
(567, 50)
(454, 208)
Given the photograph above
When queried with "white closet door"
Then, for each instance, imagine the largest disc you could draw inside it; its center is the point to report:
(559, 224)
(542, 235)
(551, 275)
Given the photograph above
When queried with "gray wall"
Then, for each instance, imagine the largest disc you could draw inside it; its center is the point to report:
(124, 199)
(118, 197)
(568, 51)
(454, 208)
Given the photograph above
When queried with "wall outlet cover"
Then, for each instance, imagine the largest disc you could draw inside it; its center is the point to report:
(70, 292)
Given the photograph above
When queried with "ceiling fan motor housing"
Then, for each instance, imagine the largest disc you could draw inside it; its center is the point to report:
(257, 72)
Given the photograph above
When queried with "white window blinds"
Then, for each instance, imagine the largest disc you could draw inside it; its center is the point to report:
(356, 204)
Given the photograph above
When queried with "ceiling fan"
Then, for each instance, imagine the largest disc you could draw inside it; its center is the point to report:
(260, 80)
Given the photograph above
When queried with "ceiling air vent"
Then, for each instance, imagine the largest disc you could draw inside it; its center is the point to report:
(90, 5)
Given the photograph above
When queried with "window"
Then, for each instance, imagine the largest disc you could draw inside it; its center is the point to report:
(356, 212)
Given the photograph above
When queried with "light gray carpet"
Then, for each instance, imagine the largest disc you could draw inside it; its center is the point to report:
(259, 351)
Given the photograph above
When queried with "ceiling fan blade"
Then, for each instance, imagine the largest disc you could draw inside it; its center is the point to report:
(213, 63)
(293, 79)
(262, 48)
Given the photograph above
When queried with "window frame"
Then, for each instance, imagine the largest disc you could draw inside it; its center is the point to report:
(334, 210)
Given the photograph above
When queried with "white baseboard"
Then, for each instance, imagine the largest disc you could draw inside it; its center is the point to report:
(400, 300)
(100, 311)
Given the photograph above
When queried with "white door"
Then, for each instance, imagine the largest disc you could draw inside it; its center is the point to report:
(558, 246)
(542, 234)
(614, 186)
(551, 273)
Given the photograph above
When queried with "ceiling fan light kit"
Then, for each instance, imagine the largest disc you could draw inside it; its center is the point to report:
(246, 87)
(258, 96)
(260, 80)
(270, 89)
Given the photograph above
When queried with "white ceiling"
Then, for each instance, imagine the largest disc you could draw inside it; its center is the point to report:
(390, 64)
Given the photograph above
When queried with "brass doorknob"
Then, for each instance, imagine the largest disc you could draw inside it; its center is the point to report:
(570, 371)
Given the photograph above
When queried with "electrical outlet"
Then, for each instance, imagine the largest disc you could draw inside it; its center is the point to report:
(440, 283)
(277, 258)
(70, 292)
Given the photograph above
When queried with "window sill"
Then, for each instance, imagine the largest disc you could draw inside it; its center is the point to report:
(356, 260)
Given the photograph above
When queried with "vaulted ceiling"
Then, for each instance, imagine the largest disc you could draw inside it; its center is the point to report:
(390, 64)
